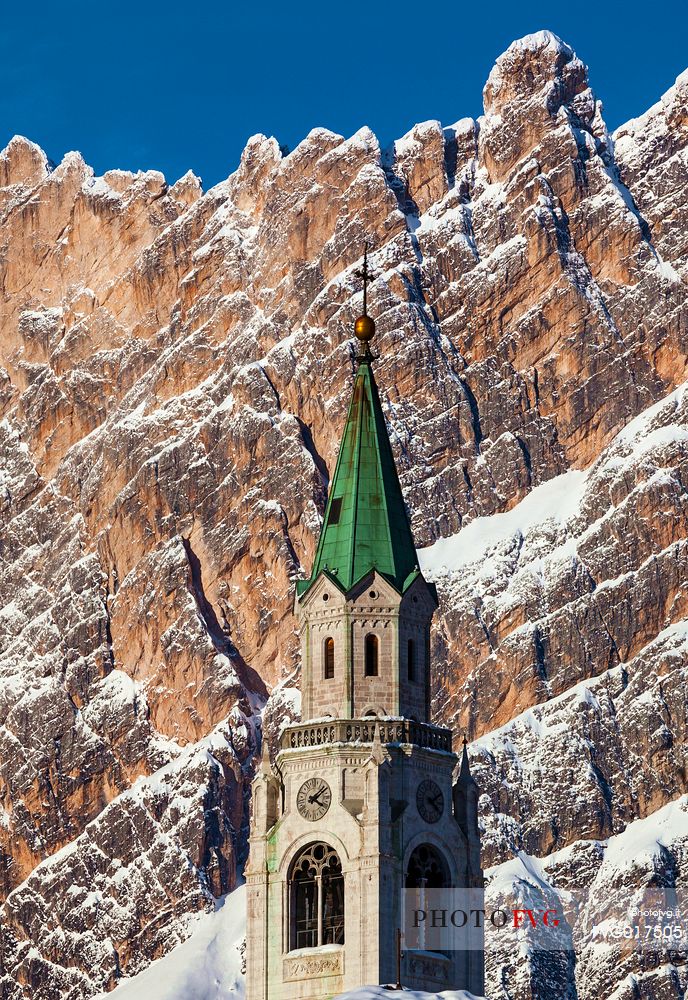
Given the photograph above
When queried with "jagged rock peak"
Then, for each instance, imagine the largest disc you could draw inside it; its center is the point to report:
(536, 98)
(187, 189)
(671, 106)
(538, 67)
(72, 167)
(23, 162)
(260, 147)
(259, 159)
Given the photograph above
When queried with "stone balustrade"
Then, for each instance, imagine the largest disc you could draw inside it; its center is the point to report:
(312, 734)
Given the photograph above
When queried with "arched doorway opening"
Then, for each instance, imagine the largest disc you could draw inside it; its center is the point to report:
(316, 898)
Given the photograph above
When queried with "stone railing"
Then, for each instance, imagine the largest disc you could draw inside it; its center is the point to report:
(314, 734)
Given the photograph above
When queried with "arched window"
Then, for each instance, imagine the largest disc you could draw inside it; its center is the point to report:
(427, 869)
(316, 894)
(328, 658)
(371, 655)
(411, 659)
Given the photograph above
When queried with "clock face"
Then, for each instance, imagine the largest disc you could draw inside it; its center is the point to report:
(430, 801)
(314, 799)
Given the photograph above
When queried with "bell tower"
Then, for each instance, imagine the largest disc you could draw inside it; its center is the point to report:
(361, 802)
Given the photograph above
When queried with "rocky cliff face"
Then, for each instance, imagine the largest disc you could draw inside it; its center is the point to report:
(174, 370)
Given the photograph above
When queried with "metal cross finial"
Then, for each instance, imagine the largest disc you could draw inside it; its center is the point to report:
(366, 275)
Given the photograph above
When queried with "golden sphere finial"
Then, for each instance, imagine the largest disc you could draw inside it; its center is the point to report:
(364, 328)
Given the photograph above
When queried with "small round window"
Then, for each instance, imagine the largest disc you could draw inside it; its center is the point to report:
(326, 597)
(373, 594)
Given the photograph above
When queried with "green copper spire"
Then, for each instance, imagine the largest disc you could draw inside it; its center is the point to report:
(366, 526)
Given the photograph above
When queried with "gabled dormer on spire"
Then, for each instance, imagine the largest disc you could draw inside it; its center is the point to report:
(365, 610)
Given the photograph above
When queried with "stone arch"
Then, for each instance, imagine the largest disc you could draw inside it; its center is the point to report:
(257, 795)
(374, 711)
(272, 803)
(446, 851)
(427, 868)
(328, 658)
(306, 838)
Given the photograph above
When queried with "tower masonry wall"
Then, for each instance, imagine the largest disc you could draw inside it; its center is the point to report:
(374, 608)
(373, 822)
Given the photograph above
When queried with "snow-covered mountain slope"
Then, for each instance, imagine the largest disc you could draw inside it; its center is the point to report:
(174, 367)
(600, 885)
(582, 593)
(208, 966)
(128, 887)
(558, 586)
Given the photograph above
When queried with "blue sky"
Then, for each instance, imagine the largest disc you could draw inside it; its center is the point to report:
(183, 85)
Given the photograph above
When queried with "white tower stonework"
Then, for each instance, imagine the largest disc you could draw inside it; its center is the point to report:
(360, 803)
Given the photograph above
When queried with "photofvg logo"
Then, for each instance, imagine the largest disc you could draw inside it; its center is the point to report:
(461, 920)
(542, 919)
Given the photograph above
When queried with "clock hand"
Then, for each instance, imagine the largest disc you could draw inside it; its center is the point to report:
(316, 797)
(437, 798)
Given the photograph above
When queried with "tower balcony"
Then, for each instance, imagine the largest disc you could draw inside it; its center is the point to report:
(325, 732)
